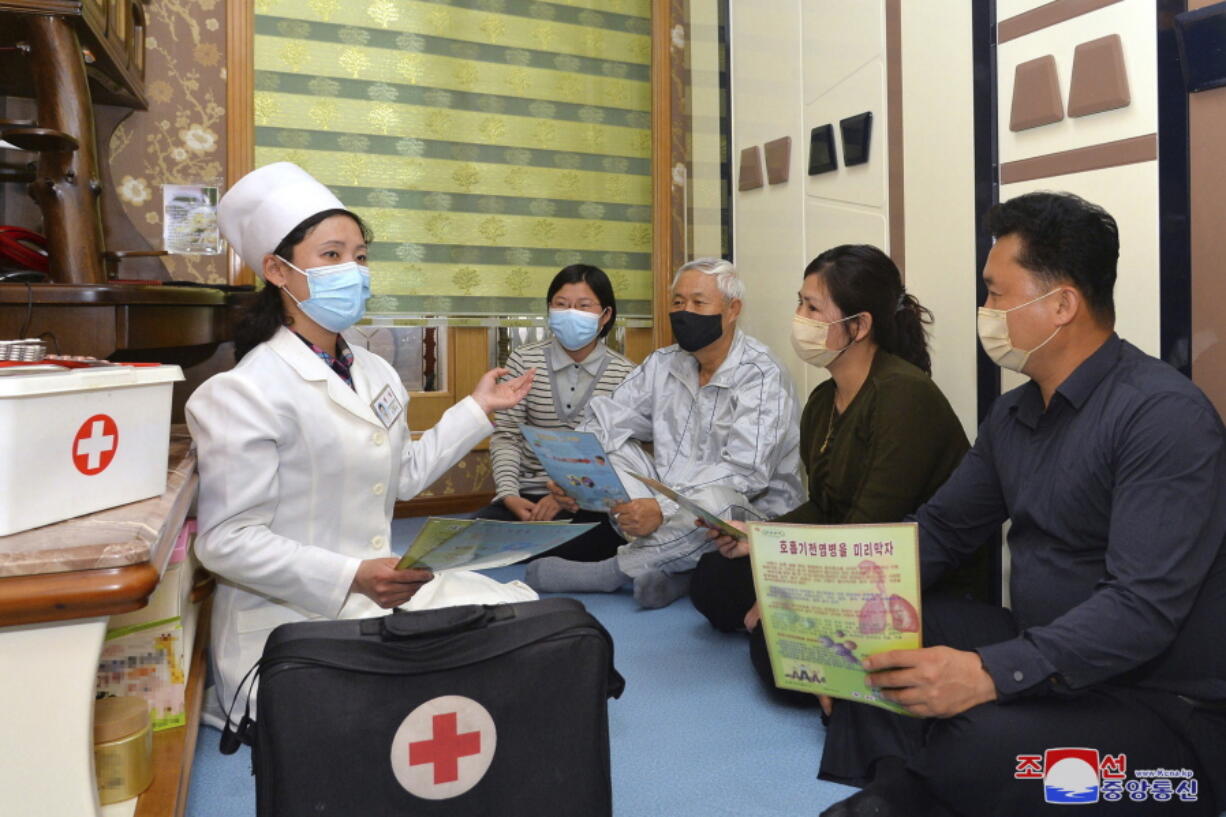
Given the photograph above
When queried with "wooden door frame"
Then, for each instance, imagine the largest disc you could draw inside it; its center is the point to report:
(665, 98)
(240, 109)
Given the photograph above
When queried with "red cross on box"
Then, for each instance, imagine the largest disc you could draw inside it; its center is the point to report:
(445, 749)
(95, 444)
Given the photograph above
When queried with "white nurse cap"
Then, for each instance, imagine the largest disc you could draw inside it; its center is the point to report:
(261, 209)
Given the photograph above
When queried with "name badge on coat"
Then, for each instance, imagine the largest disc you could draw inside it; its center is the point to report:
(387, 406)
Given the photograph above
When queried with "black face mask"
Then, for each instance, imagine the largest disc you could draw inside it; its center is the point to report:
(694, 331)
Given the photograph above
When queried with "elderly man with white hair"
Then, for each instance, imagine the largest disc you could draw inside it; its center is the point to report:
(721, 417)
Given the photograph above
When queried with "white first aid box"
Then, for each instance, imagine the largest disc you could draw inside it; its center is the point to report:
(80, 440)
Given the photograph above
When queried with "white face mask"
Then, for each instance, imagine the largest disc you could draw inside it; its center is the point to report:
(809, 339)
(994, 336)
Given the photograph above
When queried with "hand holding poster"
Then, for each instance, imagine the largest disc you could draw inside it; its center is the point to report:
(710, 519)
(830, 595)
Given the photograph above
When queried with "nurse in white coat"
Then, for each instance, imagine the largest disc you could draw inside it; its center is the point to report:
(303, 446)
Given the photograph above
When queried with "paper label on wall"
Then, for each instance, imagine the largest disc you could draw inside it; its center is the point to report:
(189, 220)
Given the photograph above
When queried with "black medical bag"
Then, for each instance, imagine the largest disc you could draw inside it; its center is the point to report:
(498, 711)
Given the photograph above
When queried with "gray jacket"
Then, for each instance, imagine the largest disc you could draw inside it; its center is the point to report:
(732, 445)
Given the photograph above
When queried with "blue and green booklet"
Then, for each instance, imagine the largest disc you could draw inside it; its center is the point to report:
(577, 462)
(477, 544)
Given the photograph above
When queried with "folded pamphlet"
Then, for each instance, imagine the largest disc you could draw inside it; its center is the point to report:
(477, 544)
(577, 462)
(689, 505)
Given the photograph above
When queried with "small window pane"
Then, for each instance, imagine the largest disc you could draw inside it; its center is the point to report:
(505, 339)
(417, 353)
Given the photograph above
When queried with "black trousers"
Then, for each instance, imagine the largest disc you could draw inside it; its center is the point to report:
(968, 762)
(598, 544)
(722, 590)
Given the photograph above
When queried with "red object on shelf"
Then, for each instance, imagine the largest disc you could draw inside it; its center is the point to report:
(4, 364)
(74, 364)
(23, 247)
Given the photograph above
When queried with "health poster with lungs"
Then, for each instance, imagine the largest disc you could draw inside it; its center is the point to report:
(831, 595)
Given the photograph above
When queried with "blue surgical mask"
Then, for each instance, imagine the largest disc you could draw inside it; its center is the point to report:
(338, 294)
(574, 328)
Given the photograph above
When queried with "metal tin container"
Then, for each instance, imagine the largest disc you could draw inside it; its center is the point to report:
(123, 748)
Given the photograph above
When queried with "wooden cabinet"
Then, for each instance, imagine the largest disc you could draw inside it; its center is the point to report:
(111, 34)
(68, 56)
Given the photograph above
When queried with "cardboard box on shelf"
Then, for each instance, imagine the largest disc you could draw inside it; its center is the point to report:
(148, 652)
(150, 661)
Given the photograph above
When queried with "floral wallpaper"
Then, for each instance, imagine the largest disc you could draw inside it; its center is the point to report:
(181, 138)
(473, 474)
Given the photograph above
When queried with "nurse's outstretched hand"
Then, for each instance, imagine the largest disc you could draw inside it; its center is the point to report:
(494, 396)
(379, 580)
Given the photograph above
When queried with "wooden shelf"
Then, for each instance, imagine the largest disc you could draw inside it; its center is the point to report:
(78, 594)
(38, 139)
(102, 319)
(110, 294)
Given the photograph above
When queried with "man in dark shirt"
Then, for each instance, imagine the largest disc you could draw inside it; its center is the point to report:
(1110, 467)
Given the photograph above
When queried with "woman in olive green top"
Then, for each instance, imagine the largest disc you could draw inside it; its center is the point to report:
(877, 438)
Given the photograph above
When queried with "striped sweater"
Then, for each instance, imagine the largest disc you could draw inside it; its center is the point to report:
(516, 468)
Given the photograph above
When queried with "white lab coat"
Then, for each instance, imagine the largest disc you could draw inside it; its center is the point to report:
(298, 480)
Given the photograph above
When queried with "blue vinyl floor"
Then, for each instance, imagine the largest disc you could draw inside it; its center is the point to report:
(693, 735)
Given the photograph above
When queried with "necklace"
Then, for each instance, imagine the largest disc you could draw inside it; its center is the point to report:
(829, 430)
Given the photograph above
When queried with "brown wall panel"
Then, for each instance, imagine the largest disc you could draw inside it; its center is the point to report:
(894, 114)
(1096, 157)
(1100, 80)
(778, 159)
(1036, 94)
(750, 175)
(1207, 189)
(1044, 16)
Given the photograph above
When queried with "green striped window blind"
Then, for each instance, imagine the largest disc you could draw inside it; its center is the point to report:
(488, 143)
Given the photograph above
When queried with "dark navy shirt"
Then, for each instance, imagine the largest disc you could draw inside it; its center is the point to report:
(1116, 495)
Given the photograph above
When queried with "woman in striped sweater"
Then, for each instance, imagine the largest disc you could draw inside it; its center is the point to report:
(572, 367)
